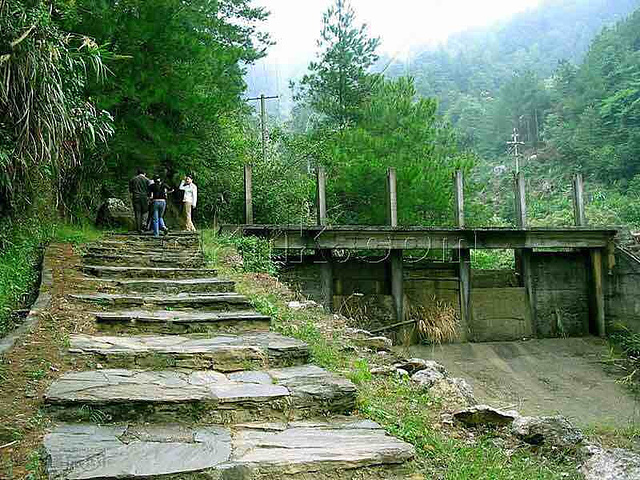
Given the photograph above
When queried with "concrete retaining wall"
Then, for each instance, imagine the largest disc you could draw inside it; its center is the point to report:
(622, 294)
(561, 294)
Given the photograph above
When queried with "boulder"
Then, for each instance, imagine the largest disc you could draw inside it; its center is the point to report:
(552, 431)
(114, 213)
(427, 378)
(454, 392)
(611, 464)
(485, 415)
(374, 343)
(414, 365)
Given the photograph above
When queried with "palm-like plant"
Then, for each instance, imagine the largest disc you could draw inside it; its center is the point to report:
(46, 122)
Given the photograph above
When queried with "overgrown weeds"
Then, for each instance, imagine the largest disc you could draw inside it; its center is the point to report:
(21, 248)
(436, 323)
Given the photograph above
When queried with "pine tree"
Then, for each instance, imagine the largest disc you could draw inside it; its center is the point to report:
(339, 82)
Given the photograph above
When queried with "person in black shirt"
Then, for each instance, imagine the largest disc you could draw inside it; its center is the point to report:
(158, 192)
(138, 188)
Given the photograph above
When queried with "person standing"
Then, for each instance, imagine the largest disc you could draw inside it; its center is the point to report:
(189, 200)
(158, 192)
(139, 190)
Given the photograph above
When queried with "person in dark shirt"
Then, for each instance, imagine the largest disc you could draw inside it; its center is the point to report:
(158, 192)
(139, 190)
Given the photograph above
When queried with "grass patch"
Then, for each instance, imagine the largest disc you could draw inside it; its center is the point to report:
(406, 411)
(21, 246)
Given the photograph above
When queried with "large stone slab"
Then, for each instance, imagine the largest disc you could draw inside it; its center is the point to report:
(102, 271)
(210, 396)
(213, 301)
(89, 451)
(181, 321)
(177, 286)
(336, 448)
(225, 353)
(317, 446)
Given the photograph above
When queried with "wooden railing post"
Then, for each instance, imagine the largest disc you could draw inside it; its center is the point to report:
(321, 196)
(578, 201)
(523, 256)
(392, 214)
(521, 201)
(458, 188)
(248, 200)
(595, 258)
(464, 255)
(395, 256)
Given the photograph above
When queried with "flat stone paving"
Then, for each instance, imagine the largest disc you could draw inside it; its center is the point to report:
(91, 452)
(146, 272)
(182, 299)
(307, 385)
(159, 285)
(181, 321)
(225, 352)
(177, 316)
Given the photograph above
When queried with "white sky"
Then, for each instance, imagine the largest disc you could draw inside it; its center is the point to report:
(402, 24)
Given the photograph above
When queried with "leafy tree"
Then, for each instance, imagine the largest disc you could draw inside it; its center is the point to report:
(394, 130)
(339, 82)
(176, 87)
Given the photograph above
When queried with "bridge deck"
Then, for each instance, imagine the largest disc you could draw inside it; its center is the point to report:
(409, 238)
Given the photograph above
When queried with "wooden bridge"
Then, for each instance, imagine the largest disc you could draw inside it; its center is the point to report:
(595, 244)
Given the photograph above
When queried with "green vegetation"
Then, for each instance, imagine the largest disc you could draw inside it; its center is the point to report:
(21, 247)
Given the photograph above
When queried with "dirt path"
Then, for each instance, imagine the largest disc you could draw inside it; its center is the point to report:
(545, 376)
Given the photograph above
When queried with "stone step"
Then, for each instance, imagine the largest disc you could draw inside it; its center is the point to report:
(227, 353)
(183, 237)
(99, 249)
(212, 301)
(102, 271)
(163, 243)
(344, 448)
(159, 285)
(205, 396)
(150, 260)
(181, 322)
(172, 233)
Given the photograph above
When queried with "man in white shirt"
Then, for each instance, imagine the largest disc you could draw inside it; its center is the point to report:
(190, 200)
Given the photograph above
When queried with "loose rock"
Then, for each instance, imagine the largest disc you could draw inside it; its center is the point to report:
(115, 213)
(295, 305)
(485, 415)
(554, 431)
(374, 343)
(427, 378)
(614, 464)
(455, 392)
(414, 365)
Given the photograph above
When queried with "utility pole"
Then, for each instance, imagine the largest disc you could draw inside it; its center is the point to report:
(513, 147)
(263, 120)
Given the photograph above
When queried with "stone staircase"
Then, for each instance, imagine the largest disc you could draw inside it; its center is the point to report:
(192, 384)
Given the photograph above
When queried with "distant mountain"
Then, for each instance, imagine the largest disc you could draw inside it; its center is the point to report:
(482, 60)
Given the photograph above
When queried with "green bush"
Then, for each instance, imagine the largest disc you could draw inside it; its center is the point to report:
(256, 254)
